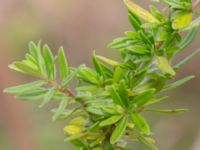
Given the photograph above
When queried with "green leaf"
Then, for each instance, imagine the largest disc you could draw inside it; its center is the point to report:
(97, 65)
(118, 42)
(163, 34)
(61, 108)
(115, 96)
(139, 11)
(33, 49)
(119, 130)
(155, 100)
(147, 143)
(113, 109)
(144, 97)
(178, 5)
(47, 97)
(176, 84)
(187, 59)
(138, 49)
(123, 92)
(188, 39)
(63, 64)
(133, 35)
(136, 80)
(67, 114)
(25, 68)
(82, 145)
(167, 111)
(33, 95)
(88, 88)
(140, 122)
(107, 71)
(36, 53)
(164, 66)
(134, 20)
(118, 74)
(108, 61)
(25, 87)
(87, 75)
(145, 39)
(31, 59)
(70, 78)
(49, 62)
(157, 14)
(111, 120)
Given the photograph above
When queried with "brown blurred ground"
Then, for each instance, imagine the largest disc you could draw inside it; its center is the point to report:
(80, 26)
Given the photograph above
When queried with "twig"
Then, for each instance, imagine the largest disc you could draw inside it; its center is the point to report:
(70, 93)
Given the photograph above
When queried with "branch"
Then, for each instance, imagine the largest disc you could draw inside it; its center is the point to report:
(57, 86)
(70, 93)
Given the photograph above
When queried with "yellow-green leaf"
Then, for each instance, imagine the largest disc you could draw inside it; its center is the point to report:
(141, 12)
(73, 129)
(181, 21)
(80, 121)
(108, 61)
(92, 136)
(164, 65)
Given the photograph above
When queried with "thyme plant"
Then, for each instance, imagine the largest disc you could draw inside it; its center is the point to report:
(104, 111)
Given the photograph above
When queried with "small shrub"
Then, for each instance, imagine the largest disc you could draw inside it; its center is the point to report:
(105, 108)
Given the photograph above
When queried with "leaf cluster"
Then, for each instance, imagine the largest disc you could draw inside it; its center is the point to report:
(104, 111)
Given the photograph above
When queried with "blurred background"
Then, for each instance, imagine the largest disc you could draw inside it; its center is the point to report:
(80, 26)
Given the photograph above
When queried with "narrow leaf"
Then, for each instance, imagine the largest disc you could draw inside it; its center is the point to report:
(164, 66)
(47, 97)
(118, 73)
(188, 39)
(123, 92)
(187, 59)
(87, 75)
(63, 64)
(108, 61)
(119, 130)
(49, 62)
(60, 109)
(116, 97)
(36, 53)
(155, 100)
(147, 143)
(140, 122)
(177, 83)
(135, 22)
(110, 120)
(24, 68)
(70, 78)
(32, 96)
(25, 87)
(144, 97)
(97, 65)
(167, 111)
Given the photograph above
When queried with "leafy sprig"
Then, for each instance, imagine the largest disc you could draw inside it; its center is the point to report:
(105, 108)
